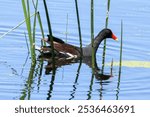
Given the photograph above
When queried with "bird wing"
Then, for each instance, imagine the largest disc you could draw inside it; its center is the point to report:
(55, 39)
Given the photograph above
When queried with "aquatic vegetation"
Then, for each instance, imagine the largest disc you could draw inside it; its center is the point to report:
(106, 25)
(31, 33)
(32, 23)
(79, 27)
(92, 33)
(121, 44)
(50, 34)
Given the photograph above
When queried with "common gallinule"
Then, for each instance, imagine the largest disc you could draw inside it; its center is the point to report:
(63, 49)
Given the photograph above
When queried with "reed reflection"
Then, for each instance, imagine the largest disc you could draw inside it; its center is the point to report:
(61, 61)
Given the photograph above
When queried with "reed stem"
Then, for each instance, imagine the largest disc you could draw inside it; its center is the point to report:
(79, 29)
(26, 9)
(41, 27)
(106, 25)
(50, 33)
(121, 44)
(34, 23)
(92, 34)
(120, 62)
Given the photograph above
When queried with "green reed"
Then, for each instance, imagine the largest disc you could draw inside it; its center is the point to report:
(50, 33)
(121, 44)
(34, 21)
(41, 27)
(79, 29)
(120, 62)
(31, 33)
(92, 33)
(106, 25)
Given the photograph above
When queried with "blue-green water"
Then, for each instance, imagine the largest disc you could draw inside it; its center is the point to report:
(18, 80)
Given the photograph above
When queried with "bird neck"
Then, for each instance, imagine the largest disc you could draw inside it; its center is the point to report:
(87, 51)
(97, 41)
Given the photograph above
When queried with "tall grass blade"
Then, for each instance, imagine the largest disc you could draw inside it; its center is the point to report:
(92, 33)
(26, 9)
(107, 13)
(79, 29)
(120, 62)
(34, 22)
(121, 44)
(106, 25)
(29, 30)
(41, 27)
(50, 33)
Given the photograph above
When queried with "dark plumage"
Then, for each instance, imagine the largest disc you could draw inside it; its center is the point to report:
(71, 51)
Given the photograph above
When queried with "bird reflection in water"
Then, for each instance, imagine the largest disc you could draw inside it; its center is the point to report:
(59, 62)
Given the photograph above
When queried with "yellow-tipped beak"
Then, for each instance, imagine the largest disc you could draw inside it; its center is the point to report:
(116, 39)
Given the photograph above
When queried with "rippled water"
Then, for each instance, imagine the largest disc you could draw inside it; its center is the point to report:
(18, 80)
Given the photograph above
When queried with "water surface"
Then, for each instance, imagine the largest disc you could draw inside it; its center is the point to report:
(18, 80)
